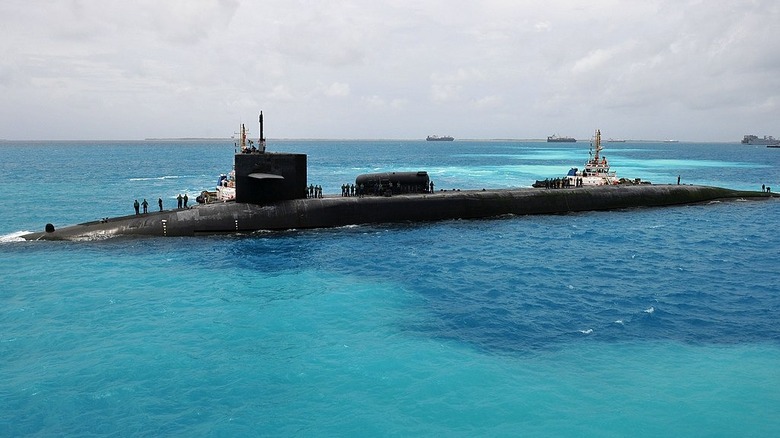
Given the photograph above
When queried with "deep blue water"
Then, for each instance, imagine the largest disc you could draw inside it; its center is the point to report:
(641, 322)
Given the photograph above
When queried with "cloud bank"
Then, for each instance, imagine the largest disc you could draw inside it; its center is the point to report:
(689, 70)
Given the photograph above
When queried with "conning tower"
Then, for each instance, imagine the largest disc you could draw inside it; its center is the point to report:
(263, 177)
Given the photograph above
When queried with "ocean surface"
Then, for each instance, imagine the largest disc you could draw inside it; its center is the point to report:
(641, 322)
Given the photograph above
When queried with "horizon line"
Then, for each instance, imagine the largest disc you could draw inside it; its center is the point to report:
(543, 140)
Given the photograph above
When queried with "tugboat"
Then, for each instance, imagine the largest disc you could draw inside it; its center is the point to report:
(225, 190)
(595, 173)
(226, 187)
(226, 183)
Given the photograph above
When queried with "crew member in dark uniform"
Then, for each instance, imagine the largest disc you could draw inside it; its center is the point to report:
(136, 205)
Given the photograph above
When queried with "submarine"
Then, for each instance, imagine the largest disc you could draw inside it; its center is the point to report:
(272, 193)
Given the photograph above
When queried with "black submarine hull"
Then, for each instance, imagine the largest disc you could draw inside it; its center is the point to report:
(240, 217)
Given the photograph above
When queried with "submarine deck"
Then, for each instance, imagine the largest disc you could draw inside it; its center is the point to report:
(333, 211)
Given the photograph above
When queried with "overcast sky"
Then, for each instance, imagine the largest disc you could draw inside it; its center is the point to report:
(399, 69)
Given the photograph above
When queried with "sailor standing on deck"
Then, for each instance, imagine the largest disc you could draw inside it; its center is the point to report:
(145, 205)
(136, 205)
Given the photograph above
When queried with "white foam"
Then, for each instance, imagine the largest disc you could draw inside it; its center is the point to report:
(650, 310)
(619, 321)
(156, 178)
(586, 332)
(96, 236)
(14, 237)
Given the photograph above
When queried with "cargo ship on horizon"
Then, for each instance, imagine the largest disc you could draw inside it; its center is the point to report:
(767, 140)
(556, 139)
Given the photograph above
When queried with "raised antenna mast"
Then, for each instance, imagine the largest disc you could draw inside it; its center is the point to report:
(261, 140)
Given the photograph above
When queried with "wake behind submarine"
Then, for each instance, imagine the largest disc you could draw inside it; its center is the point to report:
(269, 191)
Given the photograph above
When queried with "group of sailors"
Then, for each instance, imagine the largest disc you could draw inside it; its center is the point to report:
(384, 188)
(145, 205)
(561, 183)
(251, 149)
(314, 191)
(379, 189)
(181, 203)
(351, 190)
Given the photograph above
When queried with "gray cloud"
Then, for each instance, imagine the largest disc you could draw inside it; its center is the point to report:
(399, 69)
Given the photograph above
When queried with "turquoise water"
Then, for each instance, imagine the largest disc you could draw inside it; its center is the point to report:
(642, 322)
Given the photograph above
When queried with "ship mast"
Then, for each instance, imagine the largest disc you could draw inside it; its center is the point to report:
(261, 140)
(598, 144)
(243, 137)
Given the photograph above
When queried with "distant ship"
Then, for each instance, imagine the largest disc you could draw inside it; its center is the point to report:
(555, 139)
(442, 138)
(767, 140)
(616, 140)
